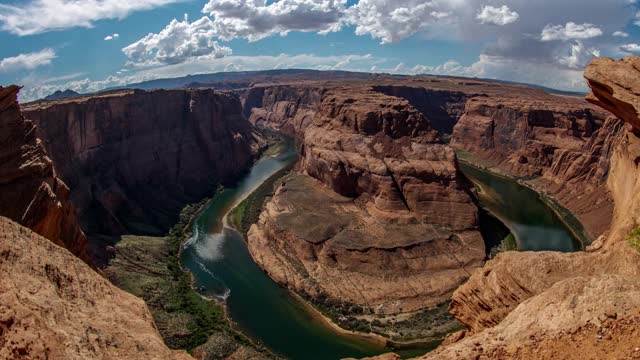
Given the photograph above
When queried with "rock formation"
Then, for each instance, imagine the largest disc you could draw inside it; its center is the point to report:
(54, 306)
(559, 143)
(614, 90)
(286, 108)
(134, 158)
(549, 305)
(379, 200)
(31, 191)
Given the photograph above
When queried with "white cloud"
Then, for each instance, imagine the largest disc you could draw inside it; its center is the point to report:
(112, 37)
(630, 48)
(27, 61)
(176, 43)
(38, 16)
(392, 21)
(497, 15)
(255, 20)
(579, 56)
(203, 65)
(569, 31)
(620, 34)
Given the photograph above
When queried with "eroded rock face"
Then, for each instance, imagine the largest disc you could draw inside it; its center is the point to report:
(54, 306)
(581, 317)
(615, 87)
(133, 158)
(286, 108)
(364, 142)
(561, 144)
(31, 191)
(313, 240)
(379, 216)
(443, 108)
(548, 305)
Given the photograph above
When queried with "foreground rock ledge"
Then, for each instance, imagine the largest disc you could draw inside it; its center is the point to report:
(571, 306)
(53, 305)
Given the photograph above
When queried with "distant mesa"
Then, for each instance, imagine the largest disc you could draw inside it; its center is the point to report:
(62, 95)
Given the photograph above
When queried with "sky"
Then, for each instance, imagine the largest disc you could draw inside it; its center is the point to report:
(89, 45)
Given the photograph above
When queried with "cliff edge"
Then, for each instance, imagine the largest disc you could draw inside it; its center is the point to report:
(54, 306)
(32, 193)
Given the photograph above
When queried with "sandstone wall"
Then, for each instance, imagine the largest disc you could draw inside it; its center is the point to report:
(287, 108)
(54, 306)
(561, 144)
(133, 158)
(378, 216)
(549, 305)
(31, 192)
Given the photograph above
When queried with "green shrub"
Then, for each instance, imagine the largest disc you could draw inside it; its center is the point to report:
(633, 239)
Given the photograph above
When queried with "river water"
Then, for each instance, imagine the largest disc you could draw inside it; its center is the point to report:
(534, 225)
(218, 257)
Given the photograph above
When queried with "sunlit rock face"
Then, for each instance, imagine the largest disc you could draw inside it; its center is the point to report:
(378, 213)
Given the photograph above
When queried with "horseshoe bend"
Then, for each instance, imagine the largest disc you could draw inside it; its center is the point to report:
(321, 215)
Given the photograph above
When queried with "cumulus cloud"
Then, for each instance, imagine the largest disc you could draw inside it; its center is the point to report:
(392, 21)
(497, 15)
(112, 37)
(255, 20)
(27, 61)
(630, 48)
(620, 34)
(579, 56)
(176, 43)
(569, 31)
(38, 16)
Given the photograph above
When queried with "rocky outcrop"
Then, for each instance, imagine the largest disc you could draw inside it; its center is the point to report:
(362, 142)
(286, 108)
(549, 305)
(615, 87)
(31, 191)
(560, 144)
(380, 215)
(581, 317)
(133, 158)
(443, 108)
(55, 306)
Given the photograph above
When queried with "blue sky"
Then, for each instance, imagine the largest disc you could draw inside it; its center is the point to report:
(58, 44)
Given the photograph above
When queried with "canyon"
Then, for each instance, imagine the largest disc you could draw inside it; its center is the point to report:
(585, 305)
(376, 214)
(375, 186)
(133, 158)
(32, 192)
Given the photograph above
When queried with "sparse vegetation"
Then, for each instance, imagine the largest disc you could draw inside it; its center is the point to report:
(425, 325)
(148, 267)
(633, 239)
(248, 211)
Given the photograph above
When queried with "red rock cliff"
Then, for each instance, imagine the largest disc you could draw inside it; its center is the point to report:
(54, 306)
(578, 305)
(560, 144)
(30, 190)
(379, 214)
(133, 158)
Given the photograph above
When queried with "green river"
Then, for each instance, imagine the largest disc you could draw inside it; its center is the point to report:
(223, 268)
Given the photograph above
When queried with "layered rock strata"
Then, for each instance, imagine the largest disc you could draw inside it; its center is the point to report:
(133, 158)
(286, 108)
(54, 306)
(545, 305)
(561, 145)
(380, 214)
(30, 188)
